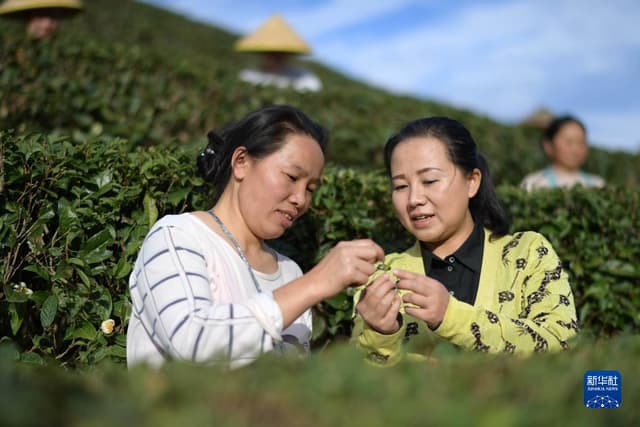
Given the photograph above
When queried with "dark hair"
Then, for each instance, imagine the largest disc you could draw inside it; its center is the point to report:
(557, 124)
(261, 132)
(462, 151)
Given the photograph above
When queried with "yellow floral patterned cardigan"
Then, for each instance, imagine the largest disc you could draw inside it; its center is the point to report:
(524, 304)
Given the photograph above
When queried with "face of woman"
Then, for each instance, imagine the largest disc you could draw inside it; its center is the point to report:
(569, 147)
(277, 189)
(431, 194)
(42, 27)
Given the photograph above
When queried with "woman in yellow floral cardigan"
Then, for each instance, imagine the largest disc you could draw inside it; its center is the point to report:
(466, 280)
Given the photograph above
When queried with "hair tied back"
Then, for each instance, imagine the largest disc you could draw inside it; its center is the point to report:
(215, 141)
(209, 158)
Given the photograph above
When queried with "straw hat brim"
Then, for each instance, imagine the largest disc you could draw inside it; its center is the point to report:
(11, 7)
(275, 35)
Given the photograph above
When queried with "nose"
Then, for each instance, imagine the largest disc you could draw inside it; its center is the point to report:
(298, 197)
(417, 197)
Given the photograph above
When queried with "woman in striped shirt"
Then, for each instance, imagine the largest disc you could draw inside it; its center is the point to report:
(205, 286)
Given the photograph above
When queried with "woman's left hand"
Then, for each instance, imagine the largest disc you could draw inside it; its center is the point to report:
(429, 297)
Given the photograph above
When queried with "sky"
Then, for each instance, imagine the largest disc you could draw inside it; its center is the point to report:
(500, 58)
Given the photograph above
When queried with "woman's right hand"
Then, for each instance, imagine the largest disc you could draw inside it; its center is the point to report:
(348, 263)
(379, 305)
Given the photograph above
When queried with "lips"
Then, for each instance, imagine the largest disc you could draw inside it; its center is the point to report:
(420, 217)
(287, 216)
(421, 220)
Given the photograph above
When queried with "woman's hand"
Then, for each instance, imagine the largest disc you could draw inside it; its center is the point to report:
(346, 264)
(379, 305)
(429, 297)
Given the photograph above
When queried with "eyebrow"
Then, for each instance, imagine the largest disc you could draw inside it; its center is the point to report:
(423, 170)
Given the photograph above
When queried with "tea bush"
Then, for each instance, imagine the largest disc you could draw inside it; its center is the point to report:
(596, 234)
(130, 70)
(72, 218)
(74, 213)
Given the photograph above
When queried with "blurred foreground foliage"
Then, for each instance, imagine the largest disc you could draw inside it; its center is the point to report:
(331, 388)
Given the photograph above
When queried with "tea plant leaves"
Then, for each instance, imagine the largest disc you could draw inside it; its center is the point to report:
(48, 311)
(85, 331)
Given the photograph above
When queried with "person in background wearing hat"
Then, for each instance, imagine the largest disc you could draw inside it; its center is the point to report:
(42, 17)
(565, 145)
(277, 42)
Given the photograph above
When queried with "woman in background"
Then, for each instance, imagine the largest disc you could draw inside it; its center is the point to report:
(466, 280)
(565, 145)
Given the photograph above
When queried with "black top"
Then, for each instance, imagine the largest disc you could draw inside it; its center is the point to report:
(460, 271)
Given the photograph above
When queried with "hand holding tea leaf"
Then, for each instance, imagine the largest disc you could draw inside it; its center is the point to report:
(379, 303)
(428, 299)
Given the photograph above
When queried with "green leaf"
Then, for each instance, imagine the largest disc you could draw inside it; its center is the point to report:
(48, 311)
(83, 277)
(95, 249)
(102, 303)
(121, 269)
(67, 215)
(13, 294)
(98, 355)
(117, 351)
(103, 178)
(98, 255)
(177, 195)
(77, 261)
(150, 209)
(39, 297)
(15, 318)
(319, 327)
(32, 359)
(121, 340)
(121, 308)
(340, 302)
(96, 241)
(40, 271)
(85, 331)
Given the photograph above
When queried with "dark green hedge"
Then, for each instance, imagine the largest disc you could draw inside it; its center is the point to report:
(72, 218)
(73, 215)
(125, 69)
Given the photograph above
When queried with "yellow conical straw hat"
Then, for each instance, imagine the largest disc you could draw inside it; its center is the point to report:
(17, 6)
(275, 35)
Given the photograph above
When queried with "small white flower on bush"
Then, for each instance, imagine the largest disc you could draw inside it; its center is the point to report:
(22, 288)
(107, 326)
